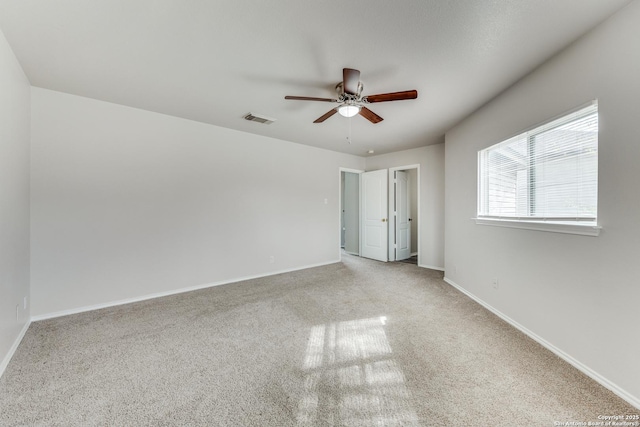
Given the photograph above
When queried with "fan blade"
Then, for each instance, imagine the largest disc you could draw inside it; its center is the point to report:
(350, 80)
(370, 115)
(325, 116)
(395, 96)
(308, 98)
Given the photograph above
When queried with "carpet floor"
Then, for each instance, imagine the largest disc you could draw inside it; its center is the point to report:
(356, 343)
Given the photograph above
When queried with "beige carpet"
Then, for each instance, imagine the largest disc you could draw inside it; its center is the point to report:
(359, 343)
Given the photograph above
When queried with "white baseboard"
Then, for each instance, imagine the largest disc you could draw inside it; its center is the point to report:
(14, 347)
(431, 267)
(167, 293)
(628, 397)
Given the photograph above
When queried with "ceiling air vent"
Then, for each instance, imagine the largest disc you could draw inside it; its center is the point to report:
(252, 117)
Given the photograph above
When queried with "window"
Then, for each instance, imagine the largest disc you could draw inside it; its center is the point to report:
(547, 175)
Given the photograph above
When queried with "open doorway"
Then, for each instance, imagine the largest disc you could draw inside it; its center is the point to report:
(404, 206)
(350, 211)
(402, 224)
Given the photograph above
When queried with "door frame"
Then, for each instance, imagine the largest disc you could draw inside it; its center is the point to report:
(340, 170)
(392, 195)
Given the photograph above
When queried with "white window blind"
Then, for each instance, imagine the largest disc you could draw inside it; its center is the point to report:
(549, 173)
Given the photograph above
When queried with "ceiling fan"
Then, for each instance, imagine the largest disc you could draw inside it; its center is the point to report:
(351, 100)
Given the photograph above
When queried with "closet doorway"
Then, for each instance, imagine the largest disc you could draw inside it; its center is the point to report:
(350, 211)
(404, 213)
(399, 214)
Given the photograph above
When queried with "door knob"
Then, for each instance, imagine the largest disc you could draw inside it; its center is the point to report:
(384, 219)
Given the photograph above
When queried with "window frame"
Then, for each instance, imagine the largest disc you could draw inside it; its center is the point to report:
(572, 225)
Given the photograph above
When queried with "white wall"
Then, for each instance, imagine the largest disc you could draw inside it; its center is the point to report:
(128, 203)
(431, 160)
(580, 294)
(14, 200)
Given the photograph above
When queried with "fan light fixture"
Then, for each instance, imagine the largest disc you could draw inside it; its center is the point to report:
(348, 110)
(350, 100)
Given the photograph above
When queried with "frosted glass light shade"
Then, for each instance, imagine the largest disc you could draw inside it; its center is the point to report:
(348, 110)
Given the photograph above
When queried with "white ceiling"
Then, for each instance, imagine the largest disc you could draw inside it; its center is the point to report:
(215, 61)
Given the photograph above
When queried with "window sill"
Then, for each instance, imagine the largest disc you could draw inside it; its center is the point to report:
(554, 227)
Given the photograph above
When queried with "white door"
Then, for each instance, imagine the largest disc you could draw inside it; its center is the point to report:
(402, 211)
(374, 235)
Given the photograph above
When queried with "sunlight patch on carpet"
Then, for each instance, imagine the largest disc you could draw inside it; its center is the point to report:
(351, 377)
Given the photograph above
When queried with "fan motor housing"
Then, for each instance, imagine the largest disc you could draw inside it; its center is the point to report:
(340, 89)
